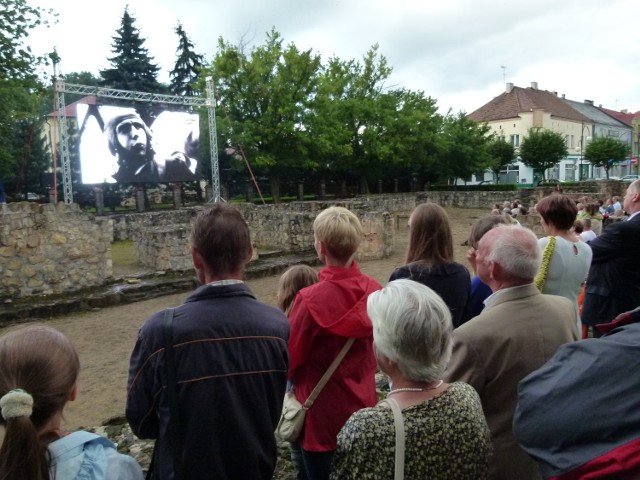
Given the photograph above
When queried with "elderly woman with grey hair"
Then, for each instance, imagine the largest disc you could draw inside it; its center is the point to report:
(446, 434)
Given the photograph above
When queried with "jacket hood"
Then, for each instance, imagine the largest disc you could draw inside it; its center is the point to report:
(339, 302)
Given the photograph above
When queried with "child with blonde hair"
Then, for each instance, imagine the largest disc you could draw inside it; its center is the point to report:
(324, 319)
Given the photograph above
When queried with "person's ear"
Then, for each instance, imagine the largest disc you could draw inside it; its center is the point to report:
(73, 394)
(250, 253)
(196, 258)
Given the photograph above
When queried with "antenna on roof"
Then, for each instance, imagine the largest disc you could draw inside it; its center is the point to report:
(504, 73)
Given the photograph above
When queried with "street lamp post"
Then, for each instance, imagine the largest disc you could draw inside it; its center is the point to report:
(582, 139)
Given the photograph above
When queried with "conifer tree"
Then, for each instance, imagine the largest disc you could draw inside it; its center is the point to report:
(187, 66)
(132, 67)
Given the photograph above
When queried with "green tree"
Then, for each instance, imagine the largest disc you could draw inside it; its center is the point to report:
(542, 149)
(604, 151)
(502, 154)
(414, 135)
(265, 98)
(464, 147)
(187, 67)
(131, 65)
(21, 159)
(353, 115)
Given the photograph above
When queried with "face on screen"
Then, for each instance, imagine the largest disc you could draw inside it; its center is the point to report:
(132, 137)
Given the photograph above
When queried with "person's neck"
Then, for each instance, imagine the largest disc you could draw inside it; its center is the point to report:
(497, 285)
(556, 232)
(52, 430)
(409, 392)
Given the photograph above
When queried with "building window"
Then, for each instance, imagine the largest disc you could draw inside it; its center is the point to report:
(569, 140)
(515, 140)
(569, 172)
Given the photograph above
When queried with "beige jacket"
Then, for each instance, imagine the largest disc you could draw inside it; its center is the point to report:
(513, 336)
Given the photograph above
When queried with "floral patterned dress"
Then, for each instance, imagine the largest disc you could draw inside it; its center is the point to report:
(446, 438)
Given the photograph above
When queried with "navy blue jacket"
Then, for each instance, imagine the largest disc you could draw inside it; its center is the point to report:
(232, 364)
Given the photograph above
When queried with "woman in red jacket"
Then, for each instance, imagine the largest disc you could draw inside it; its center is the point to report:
(324, 317)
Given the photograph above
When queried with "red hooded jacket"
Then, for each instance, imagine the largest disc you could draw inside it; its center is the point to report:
(323, 317)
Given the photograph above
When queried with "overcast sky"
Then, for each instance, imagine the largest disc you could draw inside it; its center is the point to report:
(460, 52)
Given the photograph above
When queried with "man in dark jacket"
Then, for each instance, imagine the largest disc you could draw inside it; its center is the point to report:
(613, 284)
(231, 366)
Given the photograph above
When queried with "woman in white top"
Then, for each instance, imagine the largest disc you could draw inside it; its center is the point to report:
(565, 259)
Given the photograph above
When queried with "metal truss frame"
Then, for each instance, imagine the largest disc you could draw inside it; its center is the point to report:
(209, 102)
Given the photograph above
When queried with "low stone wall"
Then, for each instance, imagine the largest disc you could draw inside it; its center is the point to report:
(166, 248)
(52, 249)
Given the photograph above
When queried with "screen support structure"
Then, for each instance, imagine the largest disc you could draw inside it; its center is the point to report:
(209, 102)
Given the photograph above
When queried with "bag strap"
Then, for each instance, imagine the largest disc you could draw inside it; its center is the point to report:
(543, 272)
(327, 375)
(176, 442)
(398, 423)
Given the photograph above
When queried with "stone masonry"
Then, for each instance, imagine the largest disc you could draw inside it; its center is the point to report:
(52, 249)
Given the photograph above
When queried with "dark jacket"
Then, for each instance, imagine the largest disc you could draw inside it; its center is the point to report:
(232, 363)
(450, 280)
(578, 415)
(613, 284)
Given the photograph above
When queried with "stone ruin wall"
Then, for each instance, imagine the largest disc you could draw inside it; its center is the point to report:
(52, 249)
(47, 249)
(162, 245)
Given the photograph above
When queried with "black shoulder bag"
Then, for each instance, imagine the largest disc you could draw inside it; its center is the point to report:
(176, 440)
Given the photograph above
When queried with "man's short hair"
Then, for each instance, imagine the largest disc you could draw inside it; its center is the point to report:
(515, 249)
(222, 238)
(340, 231)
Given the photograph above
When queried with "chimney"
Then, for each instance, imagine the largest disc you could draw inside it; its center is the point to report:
(589, 102)
(534, 85)
(555, 93)
(509, 87)
(624, 110)
(563, 95)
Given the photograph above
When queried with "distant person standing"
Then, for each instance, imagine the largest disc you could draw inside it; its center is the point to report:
(613, 284)
(230, 356)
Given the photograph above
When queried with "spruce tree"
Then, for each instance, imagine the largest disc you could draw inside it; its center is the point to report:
(132, 67)
(187, 65)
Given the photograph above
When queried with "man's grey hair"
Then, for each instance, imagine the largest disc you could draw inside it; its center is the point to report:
(412, 327)
(515, 249)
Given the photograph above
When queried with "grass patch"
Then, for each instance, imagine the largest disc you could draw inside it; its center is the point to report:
(123, 253)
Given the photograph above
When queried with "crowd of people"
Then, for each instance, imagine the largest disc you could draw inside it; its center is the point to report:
(487, 376)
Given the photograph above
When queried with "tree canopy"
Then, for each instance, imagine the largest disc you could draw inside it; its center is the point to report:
(502, 154)
(265, 96)
(542, 149)
(22, 157)
(131, 66)
(187, 67)
(605, 151)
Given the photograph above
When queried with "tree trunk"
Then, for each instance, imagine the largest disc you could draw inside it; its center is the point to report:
(364, 185)
(274, 183)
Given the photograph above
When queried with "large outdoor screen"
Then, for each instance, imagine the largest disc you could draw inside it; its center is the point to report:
(127, 145)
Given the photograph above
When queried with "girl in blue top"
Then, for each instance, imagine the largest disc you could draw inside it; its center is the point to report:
(38, 375)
